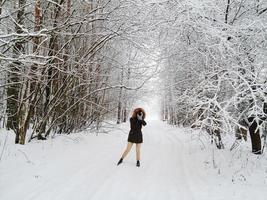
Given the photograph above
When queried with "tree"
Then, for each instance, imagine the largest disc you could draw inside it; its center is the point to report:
(65, 60)
(215, 68)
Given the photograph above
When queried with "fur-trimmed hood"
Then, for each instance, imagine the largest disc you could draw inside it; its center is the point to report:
(137, 110)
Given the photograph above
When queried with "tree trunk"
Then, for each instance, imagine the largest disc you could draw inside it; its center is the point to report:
(14, 76)
(120, 98)
(227, 11)
(37, 24)
(219, 143)
(257, 6)
(119, 108)
(255, 136)
(1, 2)
(52, 51)
(124, 114)
(30, 90)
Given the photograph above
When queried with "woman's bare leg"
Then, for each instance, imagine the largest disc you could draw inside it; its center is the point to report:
(127, 150)
(138, 147)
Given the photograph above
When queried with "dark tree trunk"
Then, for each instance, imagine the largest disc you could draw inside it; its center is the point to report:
(119, 113)
(14, 76)
(219, 143)
(52, 52)
(124, 114)
(1, 2)
(255, 136)
(119, 108)
(227, 12)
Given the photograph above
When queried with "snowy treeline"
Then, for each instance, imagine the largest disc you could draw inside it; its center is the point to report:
(215, 53)
(64, 66)
(67, 65)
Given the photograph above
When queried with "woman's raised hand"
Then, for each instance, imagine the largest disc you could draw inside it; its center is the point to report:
(140, 116)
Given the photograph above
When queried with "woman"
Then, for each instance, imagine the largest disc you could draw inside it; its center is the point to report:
(135, 134)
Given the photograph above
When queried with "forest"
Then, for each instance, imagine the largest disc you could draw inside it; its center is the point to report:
(64, 66)
(77, 77)
(70, 65)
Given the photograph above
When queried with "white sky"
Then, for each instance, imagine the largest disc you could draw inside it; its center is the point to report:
(151, 105)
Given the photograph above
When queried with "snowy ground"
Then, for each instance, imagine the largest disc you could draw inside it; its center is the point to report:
(176, 164)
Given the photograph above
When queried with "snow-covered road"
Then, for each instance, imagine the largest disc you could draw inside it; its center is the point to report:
(83, 167)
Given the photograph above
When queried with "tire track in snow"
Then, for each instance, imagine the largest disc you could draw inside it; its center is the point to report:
(88, 170)
(197, 178)
(161, 175)
(177, 153)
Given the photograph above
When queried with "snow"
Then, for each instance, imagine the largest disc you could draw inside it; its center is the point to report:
(176, 163)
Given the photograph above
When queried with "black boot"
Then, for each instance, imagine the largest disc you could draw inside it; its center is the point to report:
(137, 163)
(120, 161)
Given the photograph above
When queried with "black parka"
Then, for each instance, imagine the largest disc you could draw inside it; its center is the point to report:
(135, 134)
